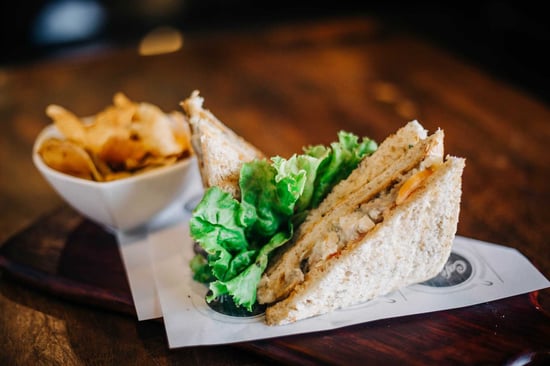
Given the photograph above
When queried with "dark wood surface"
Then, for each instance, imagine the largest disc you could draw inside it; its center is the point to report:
(280, 87)
(76, 260)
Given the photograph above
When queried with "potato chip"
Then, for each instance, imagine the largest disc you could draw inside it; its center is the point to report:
(121, 101)
(123, 139)
(181, 130)
(155, 130)
(156, 161)
(102, 167)
(69, 158)
(98, 134)
(67, 123)
(114, 121)
(117, 175)
(123, 153)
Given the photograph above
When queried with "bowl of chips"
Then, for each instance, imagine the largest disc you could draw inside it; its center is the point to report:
(120, 167)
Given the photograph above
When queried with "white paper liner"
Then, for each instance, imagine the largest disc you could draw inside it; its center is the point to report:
(189, 321)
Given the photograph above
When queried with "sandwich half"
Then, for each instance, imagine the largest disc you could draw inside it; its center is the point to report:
(220, 151)
(389, 224)
(385, 231)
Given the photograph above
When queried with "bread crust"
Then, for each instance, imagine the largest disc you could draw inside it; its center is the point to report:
(220, 151)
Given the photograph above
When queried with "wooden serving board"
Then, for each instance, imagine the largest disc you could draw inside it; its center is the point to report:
(73, 258)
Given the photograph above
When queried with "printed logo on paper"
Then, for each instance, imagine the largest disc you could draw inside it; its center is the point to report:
(457, 270)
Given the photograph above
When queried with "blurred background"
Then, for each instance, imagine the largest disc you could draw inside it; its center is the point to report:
(506, 38)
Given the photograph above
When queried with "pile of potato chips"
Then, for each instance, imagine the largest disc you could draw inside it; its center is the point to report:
(124, 139)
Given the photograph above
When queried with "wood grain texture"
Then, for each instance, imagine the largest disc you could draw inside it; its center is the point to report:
(280, 87)
(72, 258)
(486, 334)
(89, 272)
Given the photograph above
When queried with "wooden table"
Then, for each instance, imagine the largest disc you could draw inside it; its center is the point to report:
(282, 87)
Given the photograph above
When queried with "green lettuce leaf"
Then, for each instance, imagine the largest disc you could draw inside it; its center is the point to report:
(338, 162)
(260, 196)
(242, 287)
(276, 195)
(201, 270)
(297, 176)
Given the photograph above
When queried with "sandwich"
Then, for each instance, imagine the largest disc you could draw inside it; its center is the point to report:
(220, 151)
(394, 230)
(385, 220)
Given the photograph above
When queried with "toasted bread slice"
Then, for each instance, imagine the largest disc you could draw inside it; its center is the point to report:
(220, 151)
(410, 246)
(394, 228)
(391, 149)
(312, 242)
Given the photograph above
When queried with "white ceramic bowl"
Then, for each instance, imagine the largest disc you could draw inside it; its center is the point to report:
(120, 204)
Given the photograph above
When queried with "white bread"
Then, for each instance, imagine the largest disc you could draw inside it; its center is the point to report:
(391, 149)
(411, 246)
(321, 234)
(220, 151)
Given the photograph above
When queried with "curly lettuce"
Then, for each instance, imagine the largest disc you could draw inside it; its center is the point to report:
(239, 236)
